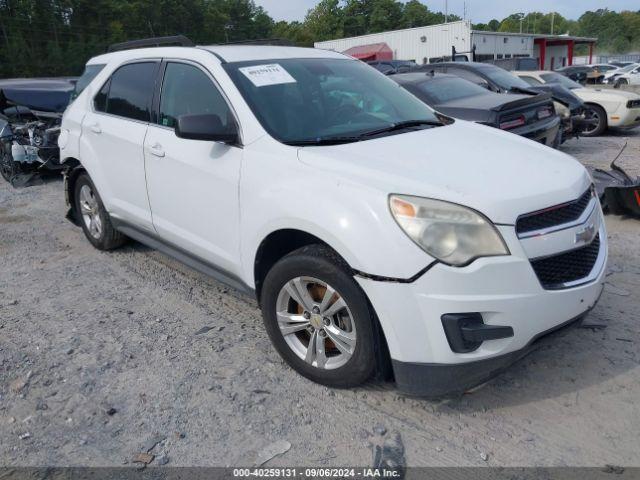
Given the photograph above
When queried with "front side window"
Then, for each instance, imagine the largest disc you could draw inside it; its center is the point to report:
(130, 90)
(188, 90)
(307, 100)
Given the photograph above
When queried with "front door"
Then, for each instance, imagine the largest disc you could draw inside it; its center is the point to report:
(193, 184)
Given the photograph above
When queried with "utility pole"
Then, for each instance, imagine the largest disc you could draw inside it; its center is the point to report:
(446, 11)
(553, 17)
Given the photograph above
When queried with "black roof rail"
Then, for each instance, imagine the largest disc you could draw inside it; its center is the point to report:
(282, 42)
(172, 41)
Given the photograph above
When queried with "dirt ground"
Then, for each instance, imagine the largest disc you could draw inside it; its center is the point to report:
(106, 355)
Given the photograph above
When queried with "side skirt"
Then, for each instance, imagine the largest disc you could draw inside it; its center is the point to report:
(183, 256)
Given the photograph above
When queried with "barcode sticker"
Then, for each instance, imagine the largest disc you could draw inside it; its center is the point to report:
(265, 75)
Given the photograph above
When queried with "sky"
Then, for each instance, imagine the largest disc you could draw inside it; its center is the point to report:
(478, 11)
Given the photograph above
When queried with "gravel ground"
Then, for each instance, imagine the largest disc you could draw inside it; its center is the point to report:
(105, 355)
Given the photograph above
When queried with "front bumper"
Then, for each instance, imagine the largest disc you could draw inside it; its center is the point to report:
(504, 290)
(625, 118)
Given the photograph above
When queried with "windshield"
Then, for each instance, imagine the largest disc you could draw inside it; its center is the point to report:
(441, 90)
(561, 79)
(304, 100)
(504, 79)
(90, 72)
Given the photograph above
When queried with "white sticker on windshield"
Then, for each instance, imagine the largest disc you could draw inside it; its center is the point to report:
(265, 75)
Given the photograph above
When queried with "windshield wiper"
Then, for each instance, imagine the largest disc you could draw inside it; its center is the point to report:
(324, 141)
(401, 126)
(364, 136)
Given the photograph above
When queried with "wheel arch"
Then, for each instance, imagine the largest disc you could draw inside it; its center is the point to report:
(283, 241)
(73, 169)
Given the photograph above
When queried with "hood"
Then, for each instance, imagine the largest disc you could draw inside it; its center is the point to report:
(560, 94)
(606, 93)
(497, 173)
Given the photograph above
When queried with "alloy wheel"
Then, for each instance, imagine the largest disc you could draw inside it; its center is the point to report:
(90, 212)
(316, 322)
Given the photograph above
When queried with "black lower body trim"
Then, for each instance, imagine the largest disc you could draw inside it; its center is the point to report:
(153, 241)
(440, 379)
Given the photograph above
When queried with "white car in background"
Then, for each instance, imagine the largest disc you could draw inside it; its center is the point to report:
(608, 108)
(629, 75)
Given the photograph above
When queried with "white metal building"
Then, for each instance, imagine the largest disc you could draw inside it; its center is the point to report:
(422, 44)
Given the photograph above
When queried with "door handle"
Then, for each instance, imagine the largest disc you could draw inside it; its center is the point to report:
(156, 150)
(95, 128)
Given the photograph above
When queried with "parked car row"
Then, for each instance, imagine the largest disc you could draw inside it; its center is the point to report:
(582, 111)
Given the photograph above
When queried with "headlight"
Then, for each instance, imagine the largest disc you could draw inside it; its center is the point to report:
(453, 234)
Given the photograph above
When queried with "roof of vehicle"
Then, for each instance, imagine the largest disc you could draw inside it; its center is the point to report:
(417, 77)
(469, 65)
(226, 53)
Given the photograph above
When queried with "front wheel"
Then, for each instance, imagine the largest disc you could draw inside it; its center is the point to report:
(8, 167)
(598, 116)
(318, 318)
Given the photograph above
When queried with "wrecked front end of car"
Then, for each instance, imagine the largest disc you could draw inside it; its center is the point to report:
(28, 144)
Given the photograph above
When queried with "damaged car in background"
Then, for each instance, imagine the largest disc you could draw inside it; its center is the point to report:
(30, 115)
(532, 117)
(569, 107)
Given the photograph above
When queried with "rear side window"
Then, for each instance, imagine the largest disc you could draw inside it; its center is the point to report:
(188, 90)
(90, 72)
(130, 90)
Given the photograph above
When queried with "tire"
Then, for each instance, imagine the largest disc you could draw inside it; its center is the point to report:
(344, 364)
(621, 82)
(93, 217)
(598, 113)
(8, 167)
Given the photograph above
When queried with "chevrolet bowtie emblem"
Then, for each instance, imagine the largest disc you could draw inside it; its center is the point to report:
(586, 234)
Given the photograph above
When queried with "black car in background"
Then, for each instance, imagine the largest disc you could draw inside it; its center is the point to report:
(391, 67)
(499, 80)
(582, 73)
(532, 117)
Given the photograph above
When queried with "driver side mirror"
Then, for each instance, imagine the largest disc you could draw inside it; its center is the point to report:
(207, 127)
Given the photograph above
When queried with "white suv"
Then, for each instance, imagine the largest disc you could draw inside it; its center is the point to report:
(372, 230)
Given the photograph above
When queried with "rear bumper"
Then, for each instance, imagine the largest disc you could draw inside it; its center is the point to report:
(545, 132)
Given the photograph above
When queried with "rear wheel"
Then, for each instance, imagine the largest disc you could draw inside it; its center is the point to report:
(93, 217)
(318, 318)
(598, 116)
(620, 82)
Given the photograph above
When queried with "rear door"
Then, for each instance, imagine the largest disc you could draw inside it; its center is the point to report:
(113, 134)
(193, 184)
